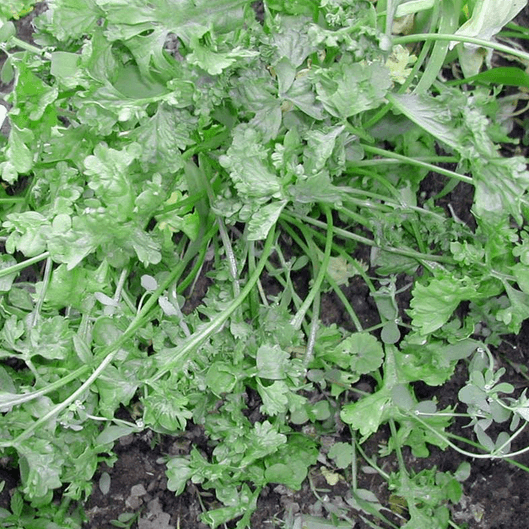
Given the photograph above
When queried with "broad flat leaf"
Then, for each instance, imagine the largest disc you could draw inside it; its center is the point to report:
(184, 18)
(432, 305)
(179, 471)
(350, 88)
(6, 261)
(274, 397)
(430, 114)
(246, 161)
(113, 432)
(369, 413)
(488, 18)
(110, 179)
(28, 233)
(272, 362)
(501, 187)
(408, 7)
(289, 37)
(66, 68)
(71, 243)
(52, 338)
(70, 19)
(298, 454)
(221, 378)
(342, 453)
(18, 153)
(302, 96)
(263, 439)
(320, 146)
(147, 248)
(365, 352)
(162, 138)
(518, 311)
(292, 474)
(40, 467)
(212, 61)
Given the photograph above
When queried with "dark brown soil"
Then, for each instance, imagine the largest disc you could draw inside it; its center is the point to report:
(496, 496)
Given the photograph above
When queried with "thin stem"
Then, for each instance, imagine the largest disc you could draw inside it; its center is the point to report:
(364, 240)
(216, 323)
(314, 325)
(398, 448)
(354, 463)
(109, 352)
(492, 455)
(24, 264)
(16, 42)
(300, 315)
(12, 200)
(45, 283)
(419, 163)
(370, 462)
(232, 261)
(253, 298)
(449, 23)
(460, 38)
(395, 161)
(121, 283)
(477, 445)
(345, 302)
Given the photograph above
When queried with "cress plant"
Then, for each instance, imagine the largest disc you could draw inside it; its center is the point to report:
(150, 144)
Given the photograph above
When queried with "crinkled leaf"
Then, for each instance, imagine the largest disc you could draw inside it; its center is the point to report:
(501, 187)
(162, 138)
(350, 88)
(246, 160)
(272, 362)
(433, 304)
(110, 178)
(71, 19)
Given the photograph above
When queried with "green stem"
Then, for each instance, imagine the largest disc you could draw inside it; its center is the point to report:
(419, 163)
(300, 315)
(393, 160)
(345, 302)
(11, 200)
(216, 323)
(314, 324)
(364, 240)
(460, 38)
(109, 352)
(15, 41)
(398, 449)
(24, 264)
(471, 454)
(477, 445)
(449, 23)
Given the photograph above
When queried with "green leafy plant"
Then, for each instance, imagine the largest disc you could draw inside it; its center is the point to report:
(146, 151)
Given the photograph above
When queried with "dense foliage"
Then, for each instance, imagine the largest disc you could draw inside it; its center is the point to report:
(152, 143)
